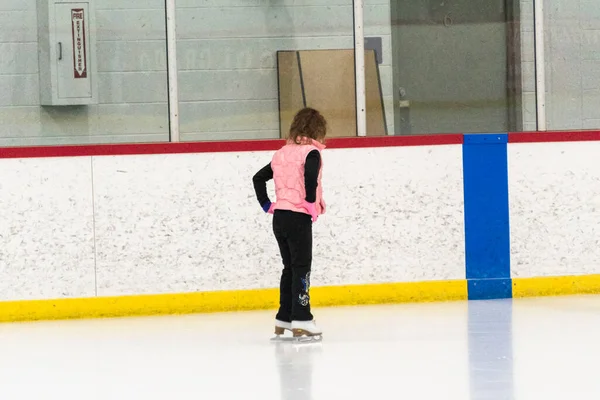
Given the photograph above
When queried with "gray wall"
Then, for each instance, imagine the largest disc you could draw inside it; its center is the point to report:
(573, 64)
(572, 53)
(227, 58)
(131, 71)
(227, 75)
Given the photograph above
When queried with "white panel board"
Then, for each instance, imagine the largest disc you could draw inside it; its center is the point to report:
(554, 194)
(191, 222)
(46, 228)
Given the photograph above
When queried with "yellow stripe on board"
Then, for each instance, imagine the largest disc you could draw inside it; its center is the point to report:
(223, 301)
(556, 285)
(263, 299)
(389, 293)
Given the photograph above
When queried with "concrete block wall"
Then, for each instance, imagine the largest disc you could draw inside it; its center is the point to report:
(227, 67)
(227, 58)
(131, 71)
(572, 53)
(573, 63)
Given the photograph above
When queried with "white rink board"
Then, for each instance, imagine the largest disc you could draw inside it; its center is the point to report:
(46, 228)
(191, 222)
(554, 194)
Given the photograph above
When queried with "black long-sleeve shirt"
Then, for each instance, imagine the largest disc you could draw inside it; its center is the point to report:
(311, 173)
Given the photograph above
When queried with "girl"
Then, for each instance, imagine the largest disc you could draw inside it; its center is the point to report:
(296, 169)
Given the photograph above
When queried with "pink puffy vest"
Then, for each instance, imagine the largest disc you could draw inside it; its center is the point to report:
(288, 174)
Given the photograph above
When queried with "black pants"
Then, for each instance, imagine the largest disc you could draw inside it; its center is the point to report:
(293, 232)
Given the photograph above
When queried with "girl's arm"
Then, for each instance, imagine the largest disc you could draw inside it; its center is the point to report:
(311, 173)
(260, 185)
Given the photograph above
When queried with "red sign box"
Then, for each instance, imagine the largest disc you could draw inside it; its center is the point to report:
(79, 53)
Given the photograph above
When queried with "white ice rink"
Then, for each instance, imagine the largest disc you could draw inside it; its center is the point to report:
(526, 349)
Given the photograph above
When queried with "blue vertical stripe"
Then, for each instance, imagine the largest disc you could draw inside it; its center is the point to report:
(487, 241)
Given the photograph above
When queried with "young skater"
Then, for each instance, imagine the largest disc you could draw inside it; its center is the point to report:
(296, 169)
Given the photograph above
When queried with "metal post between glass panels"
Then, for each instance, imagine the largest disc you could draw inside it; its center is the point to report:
(172, 71)
(359, 59)
(540, 65)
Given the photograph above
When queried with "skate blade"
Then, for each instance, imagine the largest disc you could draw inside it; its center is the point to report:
(297, 339)
(309, 339)
(281, 338)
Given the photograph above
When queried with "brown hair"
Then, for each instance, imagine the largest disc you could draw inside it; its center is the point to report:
(310, 123)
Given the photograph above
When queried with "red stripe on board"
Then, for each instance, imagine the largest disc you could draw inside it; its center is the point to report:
(554, 136)
(392, 141)
(135, 149)
(218, 147)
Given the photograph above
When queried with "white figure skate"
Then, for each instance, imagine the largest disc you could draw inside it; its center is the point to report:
(280, 328)
(306, 331)
(302, 332)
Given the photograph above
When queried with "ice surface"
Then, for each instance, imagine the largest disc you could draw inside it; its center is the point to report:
(530, 349)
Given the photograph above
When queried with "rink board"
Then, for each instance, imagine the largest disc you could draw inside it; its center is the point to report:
(226, 301)
(555, 208)
(554, 197)
(247, 300)
(107, 231)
